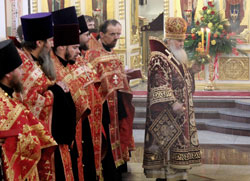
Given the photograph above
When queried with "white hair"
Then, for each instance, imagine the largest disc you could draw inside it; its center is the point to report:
(180, 54)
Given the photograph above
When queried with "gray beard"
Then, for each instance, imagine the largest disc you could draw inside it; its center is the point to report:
(180, 54)
(47, 65)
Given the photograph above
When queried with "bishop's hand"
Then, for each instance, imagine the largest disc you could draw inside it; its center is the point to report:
(178, 108)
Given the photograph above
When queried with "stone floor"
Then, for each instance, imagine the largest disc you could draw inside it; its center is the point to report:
(206, 137)
(205, 172)
(225, 157)
(228, 155)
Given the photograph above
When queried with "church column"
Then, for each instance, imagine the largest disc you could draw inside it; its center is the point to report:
(2, 19)
(133, 49)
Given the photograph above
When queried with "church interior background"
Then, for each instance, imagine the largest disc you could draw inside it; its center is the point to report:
(222, 97)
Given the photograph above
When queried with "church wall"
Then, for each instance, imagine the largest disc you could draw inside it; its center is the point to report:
(25, 8)
(152, 9)
(2, 19)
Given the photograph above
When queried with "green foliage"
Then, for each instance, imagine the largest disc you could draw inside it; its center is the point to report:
(220, 40)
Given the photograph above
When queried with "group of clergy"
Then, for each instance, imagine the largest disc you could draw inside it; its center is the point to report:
(65, 101)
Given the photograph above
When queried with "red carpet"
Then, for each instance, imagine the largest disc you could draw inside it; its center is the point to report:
(205, 93)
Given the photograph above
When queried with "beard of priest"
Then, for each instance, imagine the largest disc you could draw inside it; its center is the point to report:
(84, 33)
(170, 106)
(67, 53)
(12, 79)
(84, 39)
(40, 50)
(176, 47)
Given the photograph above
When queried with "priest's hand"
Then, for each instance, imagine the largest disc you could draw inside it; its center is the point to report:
(178, 108)
(195, 68)
(64, 86)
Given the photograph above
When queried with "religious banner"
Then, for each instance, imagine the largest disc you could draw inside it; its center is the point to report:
(188, 9)
(235, 13)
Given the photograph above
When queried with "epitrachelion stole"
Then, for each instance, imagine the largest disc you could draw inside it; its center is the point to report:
(165, 130)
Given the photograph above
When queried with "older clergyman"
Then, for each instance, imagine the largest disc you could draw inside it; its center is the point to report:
(171, 141)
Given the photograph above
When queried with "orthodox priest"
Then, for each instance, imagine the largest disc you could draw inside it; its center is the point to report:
(47, 98)
(171, 141)
(79, 78)
(94, 98)
(91, 24)
(118, 112)
(84, 35)
(22, 135)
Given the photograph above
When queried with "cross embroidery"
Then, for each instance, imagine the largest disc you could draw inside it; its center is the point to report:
(115, 79)
(97, 112)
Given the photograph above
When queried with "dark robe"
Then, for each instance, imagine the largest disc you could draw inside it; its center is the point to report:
(87, 146)
(63, 124)
(171, 141)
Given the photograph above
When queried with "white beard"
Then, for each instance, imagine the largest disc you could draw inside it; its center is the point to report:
(180, 54)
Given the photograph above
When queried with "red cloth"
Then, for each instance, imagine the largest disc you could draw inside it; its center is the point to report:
(112, 78)
(22, 148)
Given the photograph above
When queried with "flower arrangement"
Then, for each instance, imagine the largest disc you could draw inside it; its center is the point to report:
(217, 40)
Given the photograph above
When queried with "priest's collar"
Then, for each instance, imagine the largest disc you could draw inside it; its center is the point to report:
(65, 62)
(106, 47)
(34, 58)
(6, 89)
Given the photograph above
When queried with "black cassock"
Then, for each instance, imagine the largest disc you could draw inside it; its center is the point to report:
(63, 124)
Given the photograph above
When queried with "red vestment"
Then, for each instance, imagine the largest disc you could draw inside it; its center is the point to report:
(80, 78)
(36, 94)
(40, 101)
(22, 153)
(112, 78)
(171, 140)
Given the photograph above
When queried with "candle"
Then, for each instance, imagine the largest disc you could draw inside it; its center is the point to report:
(202, 38)
(208, 39)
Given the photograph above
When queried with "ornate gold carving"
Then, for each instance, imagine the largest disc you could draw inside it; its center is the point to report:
(200, 75)
(135, 61)
(134, 38)
(122, 58)
(110, 9)
(122, 42)
(233, 68)
(88, 7)
(224, 86)
(120, 51)
(78, 7)
(34, 6)
(166, 8)
(134, 22)
(135, 50)
(121, 9)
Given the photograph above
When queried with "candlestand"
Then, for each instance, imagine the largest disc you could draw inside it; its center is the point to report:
(210, 85)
